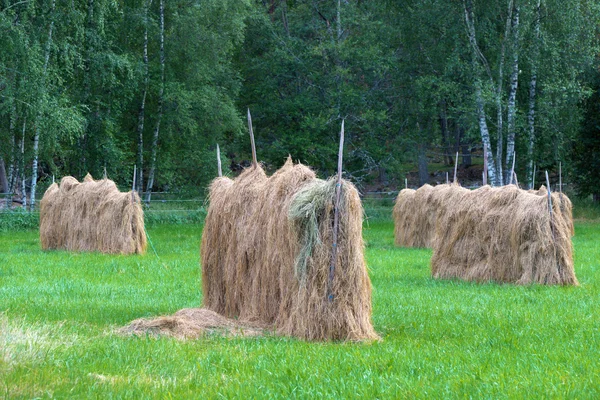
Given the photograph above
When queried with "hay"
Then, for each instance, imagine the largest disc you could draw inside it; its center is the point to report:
(266, 251)
(91, 216)
(191, 323)
(416, 212)
(504, 235)
(566, 207)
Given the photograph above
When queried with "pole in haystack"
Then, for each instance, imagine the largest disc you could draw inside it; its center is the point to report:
(560, 177)
(516, 180)
(405, 183)
(512, 170)
(533, 178)
(104, 172)
(336, 217)
(485, 167)
(254, 162)
(550, 203)
(455, 166)
(447, 177)
(133, 185)
(219, 161)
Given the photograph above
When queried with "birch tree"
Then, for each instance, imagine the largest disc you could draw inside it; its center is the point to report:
(532, 95)
(512, 94)
(161, 91)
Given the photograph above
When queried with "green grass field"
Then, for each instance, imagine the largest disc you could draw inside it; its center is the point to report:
(441, 339)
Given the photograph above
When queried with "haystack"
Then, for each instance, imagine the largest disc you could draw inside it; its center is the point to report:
(91, 216)
(416, 212)
(505, 235)
(267, 249)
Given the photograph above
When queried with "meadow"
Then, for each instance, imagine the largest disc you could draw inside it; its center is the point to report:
(440, 339)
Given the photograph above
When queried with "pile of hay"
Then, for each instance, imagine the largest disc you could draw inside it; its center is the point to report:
(505, 235)
(416, 212)
(266, 253)
(192, 323)
(91, 216)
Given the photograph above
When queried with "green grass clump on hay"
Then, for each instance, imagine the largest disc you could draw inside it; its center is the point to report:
(58, 313)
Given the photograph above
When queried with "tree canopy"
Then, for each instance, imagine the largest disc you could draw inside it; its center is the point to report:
(98, 85)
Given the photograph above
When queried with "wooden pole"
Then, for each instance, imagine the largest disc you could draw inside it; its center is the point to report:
(133, 185)
(104, 172)
(485, 166)
(405, 183)
(512, 170)
(516, 180)
(550, 204)
(455, 166)
(52, 178)
(336, 216)
(560, 177)
(219, 161)
(533, 178)
(447, 178)
(254, 161)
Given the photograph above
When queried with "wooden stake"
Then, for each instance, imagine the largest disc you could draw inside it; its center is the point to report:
(533, 178)
(104, 172)
(516, 180)
(133, 185)
(485, 166)
(219, 161)
(447, 177)
(336, 216)
(560, 177)
(512, 170)
(455, 166)
(52, 178)
(254, 162)
(550, 204)
(405, 183)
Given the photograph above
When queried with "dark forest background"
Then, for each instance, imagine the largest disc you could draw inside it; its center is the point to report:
(103, 85)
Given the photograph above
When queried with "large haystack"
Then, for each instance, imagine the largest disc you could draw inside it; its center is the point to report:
(91, 216)
(504, 235)
(267, 248)
(416, 212)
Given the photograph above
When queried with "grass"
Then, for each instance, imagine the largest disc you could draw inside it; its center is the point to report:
(59, 311)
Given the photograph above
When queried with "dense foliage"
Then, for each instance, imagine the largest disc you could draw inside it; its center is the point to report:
(89, 86)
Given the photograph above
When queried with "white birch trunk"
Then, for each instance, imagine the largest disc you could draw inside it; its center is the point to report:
(512, 95)
(36, 138)
(141, 115)
(481, 117)
(23, 188)
(532, 92)
(160, 104)
(499, 110)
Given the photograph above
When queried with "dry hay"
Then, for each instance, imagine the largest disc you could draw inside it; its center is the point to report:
(566, 207)
(266, 251)
(505, 235)
(91, 216)
(416, 212)
(191, 323)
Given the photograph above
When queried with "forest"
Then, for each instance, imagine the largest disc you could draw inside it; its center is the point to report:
(106, 86)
